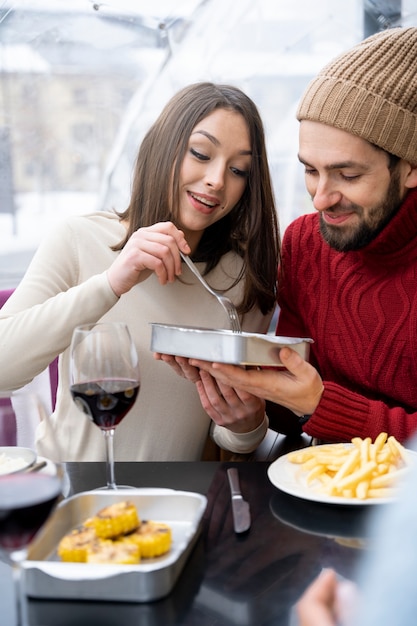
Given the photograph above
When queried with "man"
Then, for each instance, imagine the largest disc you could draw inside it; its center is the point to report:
(348, 277)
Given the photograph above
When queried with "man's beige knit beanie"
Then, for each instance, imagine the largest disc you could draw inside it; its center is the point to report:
(371, 91)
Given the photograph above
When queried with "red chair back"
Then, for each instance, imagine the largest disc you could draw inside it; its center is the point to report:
(53, 367)
(5, 295)
(8, 429)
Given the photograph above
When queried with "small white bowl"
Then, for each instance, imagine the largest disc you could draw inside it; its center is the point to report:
(15, 459)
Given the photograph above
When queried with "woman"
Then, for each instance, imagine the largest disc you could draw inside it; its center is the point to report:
(201, 186)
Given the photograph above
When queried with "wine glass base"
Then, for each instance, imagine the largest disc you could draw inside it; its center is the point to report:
(115, 488)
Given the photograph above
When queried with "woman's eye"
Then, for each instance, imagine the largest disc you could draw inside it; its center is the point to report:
(238, 172)
(198, 155)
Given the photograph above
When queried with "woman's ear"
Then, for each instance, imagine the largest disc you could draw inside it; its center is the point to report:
(411, 176)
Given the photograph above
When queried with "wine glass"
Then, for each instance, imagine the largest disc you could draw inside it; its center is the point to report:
(26, 501)
(105, 379)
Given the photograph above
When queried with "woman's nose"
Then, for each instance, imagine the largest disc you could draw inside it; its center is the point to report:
(215, 176)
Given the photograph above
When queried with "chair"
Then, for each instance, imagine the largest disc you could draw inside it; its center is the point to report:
(5, 295)
(15, 428)
(8, 430)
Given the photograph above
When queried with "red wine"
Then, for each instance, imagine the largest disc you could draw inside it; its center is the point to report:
(26, 500)
(105, 402)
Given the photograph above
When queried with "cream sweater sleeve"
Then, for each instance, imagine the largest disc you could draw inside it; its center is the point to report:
(37, 322)
(241, 443)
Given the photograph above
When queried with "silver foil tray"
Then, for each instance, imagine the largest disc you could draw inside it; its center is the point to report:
(224, 346)
(47, 577)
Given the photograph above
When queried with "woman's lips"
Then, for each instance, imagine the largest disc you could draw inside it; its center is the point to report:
(204, 204)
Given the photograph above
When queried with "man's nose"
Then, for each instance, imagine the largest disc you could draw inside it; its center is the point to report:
(325, 195)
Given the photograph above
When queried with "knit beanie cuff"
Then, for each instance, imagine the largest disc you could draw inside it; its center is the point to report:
(370, 91)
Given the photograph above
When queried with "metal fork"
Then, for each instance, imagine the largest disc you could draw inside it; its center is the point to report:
(227, 304)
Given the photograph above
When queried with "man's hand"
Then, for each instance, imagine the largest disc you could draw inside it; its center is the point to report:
(299, 387)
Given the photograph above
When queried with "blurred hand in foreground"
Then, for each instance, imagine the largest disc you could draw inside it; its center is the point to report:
(328, 601)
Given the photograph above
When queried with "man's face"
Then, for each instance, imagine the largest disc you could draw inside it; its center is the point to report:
(350, 184)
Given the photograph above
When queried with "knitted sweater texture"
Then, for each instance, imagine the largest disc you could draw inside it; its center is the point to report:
(360, 308)
(66, 285)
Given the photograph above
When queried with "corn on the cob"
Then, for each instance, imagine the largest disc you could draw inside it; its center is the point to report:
(115, 520)
(114, 552)
(153, 538)
(73, 547)
(116, 535)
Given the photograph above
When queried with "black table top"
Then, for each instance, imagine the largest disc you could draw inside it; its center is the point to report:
(229, 579)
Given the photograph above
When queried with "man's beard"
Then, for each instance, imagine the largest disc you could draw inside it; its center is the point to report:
(344, 240)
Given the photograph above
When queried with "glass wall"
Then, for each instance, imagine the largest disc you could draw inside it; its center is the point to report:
(80, 83)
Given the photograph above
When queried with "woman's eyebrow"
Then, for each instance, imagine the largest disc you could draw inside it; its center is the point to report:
(215, 141)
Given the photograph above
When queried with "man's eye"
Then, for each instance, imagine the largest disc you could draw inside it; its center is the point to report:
(198, 155)
(346, 177)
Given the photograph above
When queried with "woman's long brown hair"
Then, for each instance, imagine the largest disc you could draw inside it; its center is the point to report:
(250, 229)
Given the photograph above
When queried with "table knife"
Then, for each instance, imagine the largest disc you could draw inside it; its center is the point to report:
(240, 508)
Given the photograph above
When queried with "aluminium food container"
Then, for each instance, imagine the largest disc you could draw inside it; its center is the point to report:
(47, 577)
(224, 346)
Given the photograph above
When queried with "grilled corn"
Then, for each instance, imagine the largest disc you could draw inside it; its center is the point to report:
(153, 538)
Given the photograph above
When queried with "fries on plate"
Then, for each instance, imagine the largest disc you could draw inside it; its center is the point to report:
(360, 470)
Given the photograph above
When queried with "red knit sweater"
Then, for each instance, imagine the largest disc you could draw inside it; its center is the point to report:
(361, 310)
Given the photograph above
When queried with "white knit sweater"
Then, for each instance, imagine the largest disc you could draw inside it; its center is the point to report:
(66, 285)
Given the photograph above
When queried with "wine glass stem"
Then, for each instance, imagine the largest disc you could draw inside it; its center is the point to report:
(109, 437)
(21, 600)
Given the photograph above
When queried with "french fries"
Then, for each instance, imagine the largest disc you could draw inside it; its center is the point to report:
(362, 470)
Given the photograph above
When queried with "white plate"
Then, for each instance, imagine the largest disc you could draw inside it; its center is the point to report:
(289, 477)
(13, 454)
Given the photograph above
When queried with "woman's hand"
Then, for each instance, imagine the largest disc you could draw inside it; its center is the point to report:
(237, 410)
(151, 249)
(299, 387)
(181, 366)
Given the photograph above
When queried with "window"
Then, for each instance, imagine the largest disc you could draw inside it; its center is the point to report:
(80, 83)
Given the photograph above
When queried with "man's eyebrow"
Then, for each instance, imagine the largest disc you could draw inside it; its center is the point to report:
(215, 141)
(338, 165)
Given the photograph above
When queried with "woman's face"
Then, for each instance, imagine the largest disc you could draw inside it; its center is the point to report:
(214, 172)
